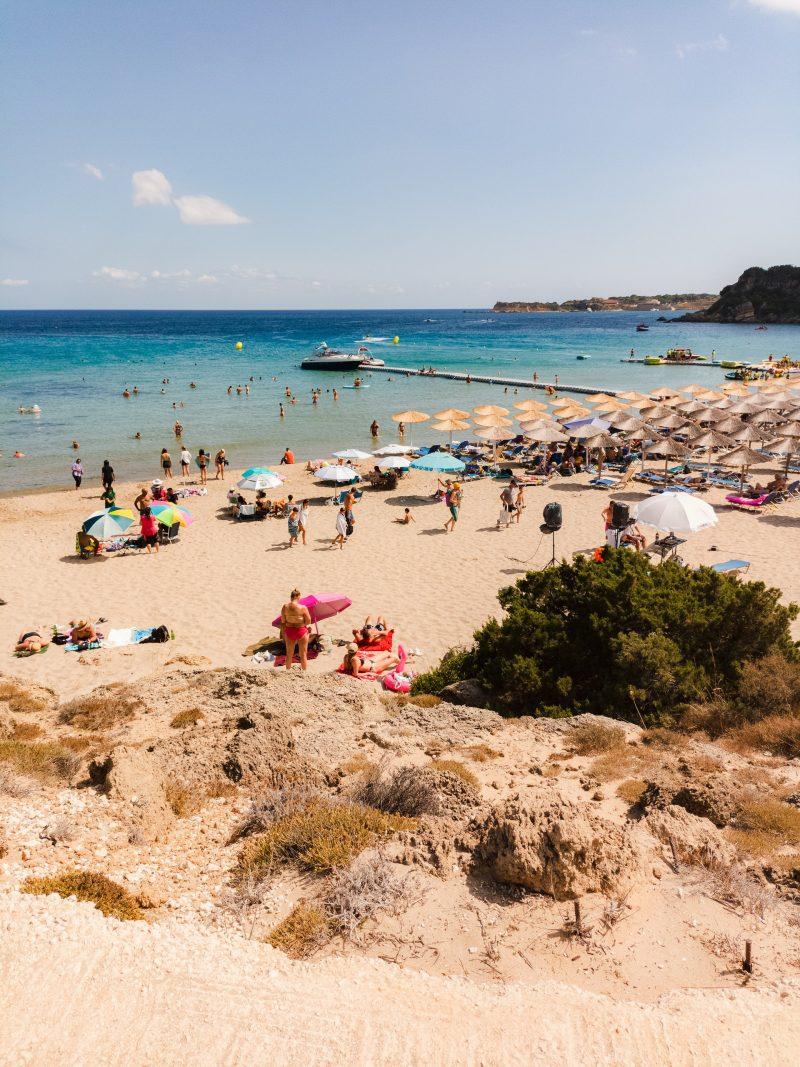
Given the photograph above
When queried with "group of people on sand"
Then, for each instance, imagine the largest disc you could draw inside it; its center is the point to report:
(81, 632)
(359, 660)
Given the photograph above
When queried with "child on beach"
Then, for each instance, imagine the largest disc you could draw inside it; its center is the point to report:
(407, 518)
(341, 529)
(294, 526)
(303, 519)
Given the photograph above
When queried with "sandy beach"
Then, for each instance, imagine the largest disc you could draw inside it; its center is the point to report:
(220, 586)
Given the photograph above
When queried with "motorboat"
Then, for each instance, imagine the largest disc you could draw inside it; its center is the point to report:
(642, 328)
(326, 358)
(369, 340)
(368, 360)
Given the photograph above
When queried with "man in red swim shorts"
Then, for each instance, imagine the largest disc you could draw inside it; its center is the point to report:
(295, 623)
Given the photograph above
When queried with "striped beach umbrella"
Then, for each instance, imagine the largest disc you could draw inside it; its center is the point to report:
(110, 522)
(171, 514)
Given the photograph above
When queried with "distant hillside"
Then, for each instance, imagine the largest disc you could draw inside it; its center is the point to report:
(771, 295)
(634, 302)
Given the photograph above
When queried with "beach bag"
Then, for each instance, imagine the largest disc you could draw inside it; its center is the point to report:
(159, 635)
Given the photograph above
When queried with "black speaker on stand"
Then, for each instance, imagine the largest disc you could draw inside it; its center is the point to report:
(551, 525)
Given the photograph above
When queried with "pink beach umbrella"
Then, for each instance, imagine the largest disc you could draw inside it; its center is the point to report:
(322, 606)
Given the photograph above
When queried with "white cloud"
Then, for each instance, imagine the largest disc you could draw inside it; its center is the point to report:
(161, 275)
(150, 187)
(153, 187)
(719, 43)
(790, 6)
(14, 283)
(206, 211)
(207, 279)
(92, 171)
(119, 274)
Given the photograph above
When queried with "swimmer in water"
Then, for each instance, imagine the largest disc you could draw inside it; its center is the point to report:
(75, 445)
(283, 413)
(137, 436)
(126, 394)
(335, 394)
(230, 390)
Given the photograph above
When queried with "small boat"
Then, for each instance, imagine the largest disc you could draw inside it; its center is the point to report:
(368, 360)
(642, 328)
(326, 358)
(761, 327)
(583, 357)
(369, 340)
(653, 361)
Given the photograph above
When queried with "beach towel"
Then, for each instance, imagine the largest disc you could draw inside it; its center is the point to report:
(382, 643)
(84, 646)
(280, 659)
(127, 636)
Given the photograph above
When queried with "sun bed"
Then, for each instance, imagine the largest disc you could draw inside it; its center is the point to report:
(744, 503)
(732, 566)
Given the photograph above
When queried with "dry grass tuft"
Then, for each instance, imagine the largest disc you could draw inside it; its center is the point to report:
(26, 731)
(591, 737)
(83, 742)
(13, 786)
(107, 896)
(21, 700)
(304, 930)
(399, 791)
(734, 887)
(454, 767)
(661, 738)
(101, 708)
(360, 892)
(482, 753)
(772, 817)
(273, 805)
(631, 791)
(186, 718)
(321, 839)
(357, 763)
(778, 734)
(551, 770)
(42, 760)
(614, 764)
(222, 788)
(183, 800)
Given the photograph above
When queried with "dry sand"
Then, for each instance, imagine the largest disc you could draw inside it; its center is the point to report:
(135, 994)
(220, 587)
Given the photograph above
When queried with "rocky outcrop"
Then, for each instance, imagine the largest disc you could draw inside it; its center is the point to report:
(555, 846)
(760, 295)
(709, 796)
(696, 840)
(468, 692)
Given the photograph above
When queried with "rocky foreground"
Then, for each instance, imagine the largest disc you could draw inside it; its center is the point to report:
(300, 867)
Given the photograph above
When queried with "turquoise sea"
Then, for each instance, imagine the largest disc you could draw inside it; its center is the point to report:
(76, 364)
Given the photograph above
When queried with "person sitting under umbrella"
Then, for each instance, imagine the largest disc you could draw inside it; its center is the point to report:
(87, 544)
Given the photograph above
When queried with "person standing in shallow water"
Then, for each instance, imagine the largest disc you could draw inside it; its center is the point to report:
(375, 428)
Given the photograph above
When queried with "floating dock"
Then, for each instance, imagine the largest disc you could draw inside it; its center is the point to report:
(482, 379)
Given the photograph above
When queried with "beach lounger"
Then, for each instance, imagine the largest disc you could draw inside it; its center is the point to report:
(732, 566)
(755, 504)
(612, 483)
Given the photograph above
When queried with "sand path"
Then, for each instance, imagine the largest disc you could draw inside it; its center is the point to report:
(77, 987)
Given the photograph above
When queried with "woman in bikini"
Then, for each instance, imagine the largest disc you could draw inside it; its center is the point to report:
(29, 643)
(295, 627)
(358, 663)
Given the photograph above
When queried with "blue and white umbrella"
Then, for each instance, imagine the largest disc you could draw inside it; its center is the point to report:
(438, 461)
(110, 522)
(251, 472)
(265, 479)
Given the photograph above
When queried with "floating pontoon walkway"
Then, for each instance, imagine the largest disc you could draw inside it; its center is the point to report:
(516, 383)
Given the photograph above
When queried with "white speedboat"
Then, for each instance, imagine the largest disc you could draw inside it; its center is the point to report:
(326, 358)
(369, 340)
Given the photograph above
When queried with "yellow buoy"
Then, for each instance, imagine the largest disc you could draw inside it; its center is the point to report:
(395, 340)
(239, 344)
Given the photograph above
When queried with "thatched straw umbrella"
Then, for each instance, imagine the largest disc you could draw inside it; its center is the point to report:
(490, 409)
(710, 439)
(667, 448)
(412, 418)
(741, 457)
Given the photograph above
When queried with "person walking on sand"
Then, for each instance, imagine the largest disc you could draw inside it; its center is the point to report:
(519, 503)
(186, 459)
(77, 472)
(219, 463)
(148, 524)
(202, 463)
(295, 627)
(294, 526)
(166, 464)
(303, 519)
(107, 474)
(349, 501)
(506, 507)
(453, 501)
(341, 529)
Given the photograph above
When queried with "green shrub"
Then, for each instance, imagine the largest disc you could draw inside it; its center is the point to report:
(107, 896)
(621, 637)
(453, 666)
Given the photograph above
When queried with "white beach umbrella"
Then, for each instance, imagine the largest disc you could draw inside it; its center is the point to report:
(336, 474)
(676, 512)
(394, 463)
(351, 453)
(393, 450)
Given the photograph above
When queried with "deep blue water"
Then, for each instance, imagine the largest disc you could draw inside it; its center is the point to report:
(75, 365)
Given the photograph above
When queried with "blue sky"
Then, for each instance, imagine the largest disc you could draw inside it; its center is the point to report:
(297, 153)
